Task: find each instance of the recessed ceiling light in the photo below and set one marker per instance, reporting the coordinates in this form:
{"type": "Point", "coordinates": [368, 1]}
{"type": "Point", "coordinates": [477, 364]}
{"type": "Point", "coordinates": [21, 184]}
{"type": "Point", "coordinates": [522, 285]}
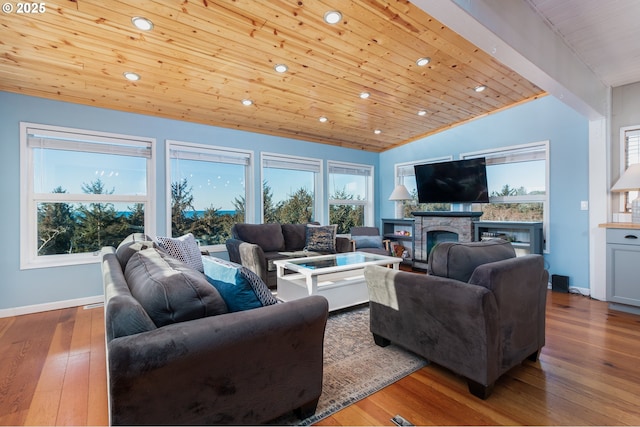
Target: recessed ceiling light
{"type": "Point", "coordinates": [247, 102]}
{"type": "Point", "coordinates": [479, 88]}
{"type": "Point", "coordinates": [422, 113]}
{"type": "Point", "coordinates": [133, 77]}
{"type": "Point", "coordinates": [323, 119]}
{"type": "Point", "coordinates": [377, 131]}
{"type": "Point", "coordinates": [365, 95]}
{"type": "Point", "coordinates": [421, 62]}
{"type": "Point", "coordinates": [332, 17]}
{"type": "Point", "coordinates": [280, 68]}
{"type": "Point", "coordinates": [142, 23]}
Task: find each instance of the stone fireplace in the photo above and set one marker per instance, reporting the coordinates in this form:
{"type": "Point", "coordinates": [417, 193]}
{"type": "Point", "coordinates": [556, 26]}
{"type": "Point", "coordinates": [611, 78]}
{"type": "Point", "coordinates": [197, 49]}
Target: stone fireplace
{"type": "Point", "coordinates": [435, 227]}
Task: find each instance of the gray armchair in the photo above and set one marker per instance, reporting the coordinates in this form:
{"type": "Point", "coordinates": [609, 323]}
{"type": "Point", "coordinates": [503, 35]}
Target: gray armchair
{"type": "Point", "coordinates": [368, 239]}
{"type": "Point", "coordinates": [256, 246]}
{"type": "Point", "coordinates": [479, 312]}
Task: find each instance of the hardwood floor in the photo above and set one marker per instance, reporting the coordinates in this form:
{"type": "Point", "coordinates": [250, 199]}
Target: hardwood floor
{"type": "Point", "coordinates": [52, 368]}
{"type": "Point", "coordinates": [52, 372]}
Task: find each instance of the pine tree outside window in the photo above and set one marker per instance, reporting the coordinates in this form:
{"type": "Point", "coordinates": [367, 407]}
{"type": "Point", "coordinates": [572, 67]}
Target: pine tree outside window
{"type": "Point", "coordinates": [350, 195]}
{"type": "Point", "coordinates": [208, 191]}
{"type": "Point", "coordinates": [84, 190]}
{"type": "Point", "coordinates": [518, 178]}
{"type": "Point", "coordinates": [291, 189]}
{"type": "Point", "coordinates": [405, 174]}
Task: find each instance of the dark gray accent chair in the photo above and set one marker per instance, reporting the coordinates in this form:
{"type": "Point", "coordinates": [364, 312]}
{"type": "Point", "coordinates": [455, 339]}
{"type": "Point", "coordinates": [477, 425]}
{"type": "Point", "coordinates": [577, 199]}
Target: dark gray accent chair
{"type": "Point", "coordinates": [256, 246]}
{"type": "Point", "coordinates": [196, 363]}
{"type": "Point", "coordinates": [356, 232]}
{"type": "Point", "coordinates": [479, 312]}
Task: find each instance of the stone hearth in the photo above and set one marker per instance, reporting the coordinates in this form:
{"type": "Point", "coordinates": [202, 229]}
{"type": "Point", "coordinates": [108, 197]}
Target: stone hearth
{"type": "Point", "coordinates": [433, 227]}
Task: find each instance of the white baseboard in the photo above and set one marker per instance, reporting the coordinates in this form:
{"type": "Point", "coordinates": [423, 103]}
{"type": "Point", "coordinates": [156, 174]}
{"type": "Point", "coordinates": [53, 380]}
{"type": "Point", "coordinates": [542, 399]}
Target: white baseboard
{"type": "Point", "coordinates": [575, 290]}
{"type": "Point", "coordinates": [37, 308]}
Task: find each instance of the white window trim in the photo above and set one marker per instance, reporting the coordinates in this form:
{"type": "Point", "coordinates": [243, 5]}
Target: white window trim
{"type": "Point", "coordinates": [622, 207]}
{"type": "Point", "coordinates": [525, 199]}
{"type": "Point", "coordinates": [309, 162]}
{"type": "Point", "coordinates": [368, 203]}
{"type": "Point", "coordinates": [249, 207]}
{"type": "Point", "coordinates": [28, 217]}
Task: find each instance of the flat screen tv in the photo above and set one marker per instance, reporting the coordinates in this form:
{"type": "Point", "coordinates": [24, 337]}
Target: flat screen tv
{"type": "Point", "coordinates": [458, 181]}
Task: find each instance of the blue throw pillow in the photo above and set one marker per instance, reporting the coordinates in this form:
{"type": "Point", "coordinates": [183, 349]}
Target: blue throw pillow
{"type": "Point", "coordinates": [368, 242]}
{"type": "Point", "coordinates": [240, 288]}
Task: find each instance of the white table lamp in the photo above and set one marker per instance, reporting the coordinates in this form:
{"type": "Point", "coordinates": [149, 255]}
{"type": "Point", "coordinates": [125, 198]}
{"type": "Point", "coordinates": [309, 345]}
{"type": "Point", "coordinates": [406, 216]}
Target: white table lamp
{"type": "Point", "coordinates": [400, 193]}
{"type": "Point", "coordinates": [630, 181]}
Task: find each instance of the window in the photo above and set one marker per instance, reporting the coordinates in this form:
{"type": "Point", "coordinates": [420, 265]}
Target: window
{"type": "Point", "coordinates": [84, 190]}
{"type": "Point", "coordinates": [405, 174]}
{"type": "Point", "coordinates": [517, 178]}
{"type": "Point", "coordinates": [350, 195]}
{"type": "Point", "coordinates": [208, 191]}
{"type": "Point", "coordinates": [291, 189]}
{"type": "Point", "coordinates": [630, 154]}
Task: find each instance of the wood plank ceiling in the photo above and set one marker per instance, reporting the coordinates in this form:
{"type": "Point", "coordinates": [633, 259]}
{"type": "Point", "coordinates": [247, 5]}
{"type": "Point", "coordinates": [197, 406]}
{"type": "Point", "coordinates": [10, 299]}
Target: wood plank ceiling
{"type": "Point", "coordinates": [202, 58]}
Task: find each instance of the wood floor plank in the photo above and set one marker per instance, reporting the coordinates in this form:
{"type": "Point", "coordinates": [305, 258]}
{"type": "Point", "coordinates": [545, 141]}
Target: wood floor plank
{"type": "Point", "coordinates": [97, 413]}
{"type": "Point", "coordinates": [53, 371]}
{"type": "Point", "coordinates": [74, 401]}
{"type": "Point", "coordinates": [45, 402]}
{"type": "Point", "coordinates": [5, 324]}
{"type": "Point", "coordinates": [22, 357]}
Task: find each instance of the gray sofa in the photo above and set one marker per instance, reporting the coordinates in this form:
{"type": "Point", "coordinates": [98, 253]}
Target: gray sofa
{"type": "Point", "coordinates": [479, 312]}
{"type": "Point", "coordinates": [175, 355]}
{"type": "Point", "coordinates": [256, 246]}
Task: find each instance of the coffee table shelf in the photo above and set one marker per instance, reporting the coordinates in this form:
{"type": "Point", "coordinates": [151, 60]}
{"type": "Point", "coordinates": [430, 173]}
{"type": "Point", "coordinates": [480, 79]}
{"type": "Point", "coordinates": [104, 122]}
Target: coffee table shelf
{"type": "Point", "coordinates": [337, 277]}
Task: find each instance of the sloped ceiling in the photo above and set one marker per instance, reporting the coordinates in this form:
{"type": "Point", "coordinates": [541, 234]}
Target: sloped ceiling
{"type": "Point", "coordinates": [202, 58]}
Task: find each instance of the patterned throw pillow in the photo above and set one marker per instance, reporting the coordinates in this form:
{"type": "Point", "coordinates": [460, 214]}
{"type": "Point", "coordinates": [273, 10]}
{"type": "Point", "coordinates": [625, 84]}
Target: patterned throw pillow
{"type": "Point", "coordinates": [240, 287]}
{"type": "Point", "coordinates": [321, 238]}
{"type": "Point", "coordinates": [185, 248]}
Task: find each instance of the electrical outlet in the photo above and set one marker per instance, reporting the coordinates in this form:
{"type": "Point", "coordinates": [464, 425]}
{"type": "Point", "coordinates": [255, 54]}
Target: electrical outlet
{"type": "Point", "coordinates": [584, 205]}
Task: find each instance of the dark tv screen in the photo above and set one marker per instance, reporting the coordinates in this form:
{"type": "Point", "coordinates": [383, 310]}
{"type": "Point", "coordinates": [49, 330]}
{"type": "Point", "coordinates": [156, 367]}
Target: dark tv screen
{"type": "Point", "coordinates": [458, 181]}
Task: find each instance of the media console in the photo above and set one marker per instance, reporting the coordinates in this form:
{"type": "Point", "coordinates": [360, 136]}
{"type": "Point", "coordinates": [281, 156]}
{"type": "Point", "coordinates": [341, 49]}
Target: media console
{"type": "Point", "coordinates": [526, 237]}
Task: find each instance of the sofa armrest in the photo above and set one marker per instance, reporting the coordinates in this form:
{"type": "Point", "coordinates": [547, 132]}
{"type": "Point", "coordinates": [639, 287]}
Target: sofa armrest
{"type": "Point", "coordinates": [239, 368]}
{"type": "Point", "coordinates": [249, 255]}
{"type": "Point", "coordinates": [519, 286]}
{"type": "Point", "coordinates": [344, 244]}
{"type": "Point", "coordinates": [449, 322]}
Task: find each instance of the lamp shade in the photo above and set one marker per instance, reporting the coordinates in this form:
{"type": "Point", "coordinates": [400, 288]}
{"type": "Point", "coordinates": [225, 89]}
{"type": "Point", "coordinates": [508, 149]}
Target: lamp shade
{"type": "Point", "coordinates": [400, 193]}
{"type": "Point", "coordinates": [630, 179]}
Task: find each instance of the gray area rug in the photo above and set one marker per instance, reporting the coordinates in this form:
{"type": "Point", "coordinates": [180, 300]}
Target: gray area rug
{"type": "Point", "coordinates": [354, 366]}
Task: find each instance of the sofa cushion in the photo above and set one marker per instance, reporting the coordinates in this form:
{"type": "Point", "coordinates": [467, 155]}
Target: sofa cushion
{"type": "Point", "coordinates": [268, 236]}
{"type": "Point", "coordinates": [295, 236]}
{"type": "Point", "coordinates": [123, 313]}
{"type": "Point", "coordinates": [457, 260]}
{"type": "Point", "coordinates": [185, 248]}
{"type": "Point", "coordinates": [321, 238]}
{"type": "Point", "coordinates": [363, 242]}
{"type": "Point", "coordinates": [241, 288]}
{"type": "Point", "coordinates": [274, 256]}
{"type": "Point", "coordinates": [169, 290]}
{"type": "Point", "coordinates": [130, 245]}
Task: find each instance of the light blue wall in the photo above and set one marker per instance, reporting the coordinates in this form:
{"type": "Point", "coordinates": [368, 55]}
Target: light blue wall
{"type": "Point", "coordinates": [544, 119]}
{"type": "Point", "coordinates": [39, 286]}
{"type": "Point", "coordinates": [540, 120]}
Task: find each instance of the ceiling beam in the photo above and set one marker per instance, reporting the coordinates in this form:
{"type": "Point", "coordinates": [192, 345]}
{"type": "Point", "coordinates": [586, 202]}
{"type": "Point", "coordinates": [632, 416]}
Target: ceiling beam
{"type": "Point", "coordinates": [513, 33]}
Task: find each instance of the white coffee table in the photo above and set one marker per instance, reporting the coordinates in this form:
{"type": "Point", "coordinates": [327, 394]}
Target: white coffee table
{"type": "Point", "coordinates": [337, 277]}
